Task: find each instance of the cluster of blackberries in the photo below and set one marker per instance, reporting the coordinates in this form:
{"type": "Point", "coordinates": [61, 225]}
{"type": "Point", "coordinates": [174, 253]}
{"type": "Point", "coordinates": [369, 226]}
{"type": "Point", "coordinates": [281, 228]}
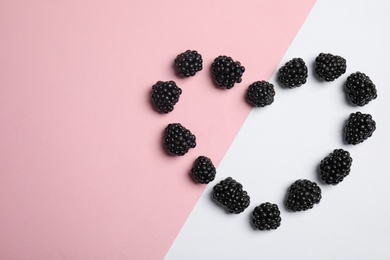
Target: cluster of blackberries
{"type": "Point", "coordinates": [230, 194]}
{"type": "Point", "coordinates": [225, 73]}
{"type": "Point", "coordinates": [327, 66]}
{"type": "Point", "coordinates": [303, 194]}
{"type": "Point", "coordinates": [165, 94]}
{"type": "Point", "coordinates": [359, 88]}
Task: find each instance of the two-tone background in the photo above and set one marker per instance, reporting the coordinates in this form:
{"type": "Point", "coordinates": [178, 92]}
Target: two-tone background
{"type": "Point", "coordinates": [82, 171]}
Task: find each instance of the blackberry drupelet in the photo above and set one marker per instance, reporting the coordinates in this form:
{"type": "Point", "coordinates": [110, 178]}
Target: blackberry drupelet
{"type": "Point", "coordinates": [329, 67]}
{"type": "Point", "coordinates": [335, 167]}
{"type": "Point", "coordinates": [226, 72]}
{"type": "Point", "coordinates": [260, 94]}
{"type": "Point", "coordinates": [230, 195]}
{"type": "Point", "coordinates": [203, 170]}
{"type": "Point", "coordinates": [266, 216]}
{"type": "Point", "coordinates": [165, 95]}
{"type": "Point", "coordinates": [293, 74]}
{"type": "Point", "coordinates": [360, 89]}
{"type": "Point", "coordinates": [188, 63]}
{"type": "Point", "coordinates": [302, 195]}
{"type": "Point", "coordinates": [178, 139]}
{"type": "Point", "coordinates": [358, 128]}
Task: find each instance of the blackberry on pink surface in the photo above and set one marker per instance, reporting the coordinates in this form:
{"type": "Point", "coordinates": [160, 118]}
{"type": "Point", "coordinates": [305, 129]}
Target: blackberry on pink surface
{"type": "Point", "coordinates": [188, 63]}
{"type": "Point", "coordinates": [178, 139]}
{"type": "Point", "coordinates": [165, 95]}
{"type": "Point", "coordinates": [203, 170]}
{"type": "Point", "coordinates": [226, 72]}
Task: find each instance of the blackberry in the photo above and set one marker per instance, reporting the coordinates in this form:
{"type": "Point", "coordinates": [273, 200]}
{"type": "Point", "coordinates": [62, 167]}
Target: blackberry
{"type": "Point", "coordinates": [226, 72]}
{"type": "Point", "coordinates": [302, 195]}
{"type": "Point", "coordinates": [203, 170]}
{"type": "Point", "coordinates": [260, 94]}
{"type": "Point", "coordinates": [360, 89]}
{"type": "Point", "coordinates": [336, 166]}
{"type": "Point", "coordinates": [293, 74]}
{"type": "Point", "coordinates": [188, 63]}
{"type": "Point", "coordinates": [178, 139]}
{"type": "Point", "coordinates": [165, 94]}
{"type": "Point", "coordinates": [329, 67]}
{"type": "Point", "coordinates": [266, 216]}
{"type": "Point", "coordinates": [358, 128]}
{"type": "Point", "coordinates": [230, 195]}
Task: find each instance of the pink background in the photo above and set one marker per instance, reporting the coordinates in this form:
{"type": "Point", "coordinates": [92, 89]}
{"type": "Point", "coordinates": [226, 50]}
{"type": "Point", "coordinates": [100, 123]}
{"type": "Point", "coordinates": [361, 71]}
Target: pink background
{"type": "Point", "coordinates": [82, 171]}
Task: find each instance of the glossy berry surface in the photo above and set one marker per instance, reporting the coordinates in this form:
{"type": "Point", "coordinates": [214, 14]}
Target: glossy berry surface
{"type": "Point", "coordinates": [360, 89]}
{"type": "Point", "coordinates": [329, 67]}
{"type": "Point", "coordinates": [226, 72]}
{"type": "Point", "coordinates": [260, 94]}
{"type": "Point", "coordinates": [178, 139]}
{"type": "Point", "coordinates": [335, 167]}
{"type": "Point", "coordinates": [231, 196]}
{"type": "Point", "coordinates": [302, 195]}
{"type": "Point", "coordinates": [203, 170]}
{"type": "Point", "coordinates": [359, 127]}
{"type": "Point", "coordinates": [293, 74]}
{"type": "Point", "coordinates": [165, 95]}
{"type": "Point", "coordinates": [266, 216]}
{"type": "Point", "coordinates": [188, 63]}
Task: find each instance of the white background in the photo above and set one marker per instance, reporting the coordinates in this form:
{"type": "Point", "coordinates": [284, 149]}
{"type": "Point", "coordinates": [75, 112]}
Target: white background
{"type": "Point", "coordinates": [286, 141]}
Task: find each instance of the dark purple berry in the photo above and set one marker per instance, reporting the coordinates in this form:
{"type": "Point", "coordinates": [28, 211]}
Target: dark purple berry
{"type": "Point", "coordinates": [226, 72]}
{"type": "Point", "coordinates": [178, 139]}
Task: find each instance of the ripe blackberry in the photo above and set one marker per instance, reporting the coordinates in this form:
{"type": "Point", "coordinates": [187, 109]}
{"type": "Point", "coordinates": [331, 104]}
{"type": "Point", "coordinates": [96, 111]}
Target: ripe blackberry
{"type": "Point", "coordinates": [165, 94]}
{"type": "Point", "coordinates": [226, 72]}
{"type": "Point", "coordinates": [302, 195]}
{"type": "Point", "coordinates": [360, 89]}
{"type": "Point", "coordinates": [260, 94]}
{"type": "Point", "coordinates": [188, 63]}
{"type": "Point", "coordinates": [266, 216]}
{"type": "Point", "coordinates": [178, 139]}
{"type": "Point", "coordinates": [293, 74]}
{"type": "Point", "coordinates": [336, 166]}
{"type": "Point", "coordinates": [358, 128]}
{"type": "Point", "coordinates": [203, 170]}
{"type": "Point", "coordinates": [329, 67]}
{"type": "Point", "coordinates": [230, 195]}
